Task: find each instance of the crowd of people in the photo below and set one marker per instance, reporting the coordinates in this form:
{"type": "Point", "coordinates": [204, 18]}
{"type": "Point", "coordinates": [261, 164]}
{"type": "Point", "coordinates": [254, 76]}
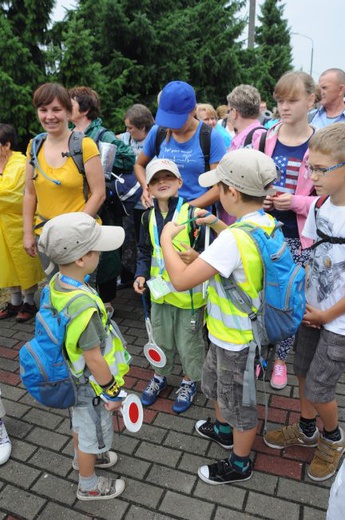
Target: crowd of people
{"type": "Point", "coordinates": [178, 244]}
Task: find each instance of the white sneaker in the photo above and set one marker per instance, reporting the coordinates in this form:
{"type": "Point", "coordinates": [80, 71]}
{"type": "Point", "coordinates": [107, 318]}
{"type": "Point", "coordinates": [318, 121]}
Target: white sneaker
{"type": "Point", "coordinates": [5, 444]}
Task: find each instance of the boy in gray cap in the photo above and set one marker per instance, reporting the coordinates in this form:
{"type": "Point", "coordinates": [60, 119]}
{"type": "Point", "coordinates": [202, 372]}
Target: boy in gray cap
{"type": "Point", "coordinates": [94, 350]}
{"type": "Point", "coordinates": [243, 177]}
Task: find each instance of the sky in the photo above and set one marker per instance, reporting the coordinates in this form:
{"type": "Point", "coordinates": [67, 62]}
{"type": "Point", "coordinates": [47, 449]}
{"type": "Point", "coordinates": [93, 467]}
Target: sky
{"type": "Point", "coordinates": [320, 28]}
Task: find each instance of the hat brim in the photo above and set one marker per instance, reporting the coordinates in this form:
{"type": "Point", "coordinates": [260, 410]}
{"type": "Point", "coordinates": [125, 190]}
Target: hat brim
{"type": "Point", "coordinates": [170, 120]}
{"type": "Point", "coordinates": [208, 179]}
{"type": "Point", "coordinates": [109, 239]}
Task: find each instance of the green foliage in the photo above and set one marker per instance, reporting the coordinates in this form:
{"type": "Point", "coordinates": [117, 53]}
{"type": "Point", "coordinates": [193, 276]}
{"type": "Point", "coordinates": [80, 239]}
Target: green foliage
{"type": "Point", "coordinates": [273, 48]}
{"type": "Point", "coordinates": [127, 50]}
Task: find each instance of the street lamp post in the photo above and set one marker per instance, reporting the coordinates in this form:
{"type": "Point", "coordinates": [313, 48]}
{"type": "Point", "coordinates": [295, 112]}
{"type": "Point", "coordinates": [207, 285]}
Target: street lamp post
{"type": "Point", "coordinates": [312, 49]}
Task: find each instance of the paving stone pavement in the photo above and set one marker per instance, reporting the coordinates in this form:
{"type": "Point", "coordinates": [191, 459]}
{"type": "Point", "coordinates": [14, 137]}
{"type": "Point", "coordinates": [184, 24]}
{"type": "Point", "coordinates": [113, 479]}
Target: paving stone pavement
{"type": "Point", "coordinates": [159, 463]}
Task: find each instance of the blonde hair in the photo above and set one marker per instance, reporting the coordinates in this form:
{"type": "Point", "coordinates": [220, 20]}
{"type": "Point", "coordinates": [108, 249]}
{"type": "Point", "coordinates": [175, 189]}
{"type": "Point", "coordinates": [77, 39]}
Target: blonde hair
{"type": "Point", "coordinates": [222, 111]}
{"type": "Point", "coordinates": [291, 83]}
{"type": "Point", "coordinates": [205, 107]}
{"type": "Point", "coordinates": [330, 141]}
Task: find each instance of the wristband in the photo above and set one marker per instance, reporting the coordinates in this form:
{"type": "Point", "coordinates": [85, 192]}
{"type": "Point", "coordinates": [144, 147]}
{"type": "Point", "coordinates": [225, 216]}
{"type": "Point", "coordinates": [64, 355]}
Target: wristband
{"type": "Point", "coordinates": [112, 390]}
{"type": "Point", "coordinates": [108, 384]}
{"type": "Point", "coordinates": [106, 398]}
{"type": "Point", "coordinates": [214, 221]}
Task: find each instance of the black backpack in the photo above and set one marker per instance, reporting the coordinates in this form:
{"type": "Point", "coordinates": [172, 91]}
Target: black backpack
{"type": "Point", "coordinates": [205, 142]}
{"type": "Point", "coordinates": [249, 138]}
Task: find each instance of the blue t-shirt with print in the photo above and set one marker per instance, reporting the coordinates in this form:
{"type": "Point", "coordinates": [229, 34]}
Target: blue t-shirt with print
{"type": "Point", "coordinates": [188, 156]}
{"type": "Point", "coordinates": [289, 160]}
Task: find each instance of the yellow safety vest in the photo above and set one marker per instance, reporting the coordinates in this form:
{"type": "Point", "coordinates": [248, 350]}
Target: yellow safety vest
{"type": "Point", "coordinates": [224, 320]}
{"type": "Point", "coordinates": [180, 299]}
{"type": "Point", "coordinates": [114, 352]}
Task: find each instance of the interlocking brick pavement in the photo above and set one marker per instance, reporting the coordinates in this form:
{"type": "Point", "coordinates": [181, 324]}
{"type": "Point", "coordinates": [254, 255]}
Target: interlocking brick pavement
{"type": "Point", "coordinates": [159, 463]}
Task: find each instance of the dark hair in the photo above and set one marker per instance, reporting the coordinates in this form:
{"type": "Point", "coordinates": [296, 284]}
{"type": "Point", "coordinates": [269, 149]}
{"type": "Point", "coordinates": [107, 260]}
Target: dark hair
{"type": "Point", "coordinates": [140, 116]}
{"type": "Point", "coordinates": [47, 92]}
{"type": "Point", "coordinates": [8, 135]}
{"type": "Point", "coordinates": [88, 101]}
{"type": "Point", "coordinates": [244, 196]}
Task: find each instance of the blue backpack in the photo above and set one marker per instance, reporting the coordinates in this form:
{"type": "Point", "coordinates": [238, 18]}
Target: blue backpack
{"type": "Point", "coordinates": [282, 298]}
{"type": "Point", "coordinates": [44, 370]}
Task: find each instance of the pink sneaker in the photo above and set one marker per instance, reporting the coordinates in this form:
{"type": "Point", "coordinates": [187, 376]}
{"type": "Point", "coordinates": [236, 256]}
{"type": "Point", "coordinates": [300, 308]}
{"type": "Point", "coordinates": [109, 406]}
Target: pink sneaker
{"type": "Point", "coordinates": [279, 376]}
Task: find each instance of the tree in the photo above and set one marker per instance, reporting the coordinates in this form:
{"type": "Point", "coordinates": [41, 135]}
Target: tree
{"type": "Point", "coordinates": [273, 48]}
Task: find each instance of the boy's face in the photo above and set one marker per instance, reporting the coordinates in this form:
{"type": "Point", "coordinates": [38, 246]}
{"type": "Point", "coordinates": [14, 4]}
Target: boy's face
{"type": "Point", "coordinates": [329, 183]}
{"type": "Point", "coordinates": [91, 261]}
{"type": "Point", "coordinates": [164, 185]}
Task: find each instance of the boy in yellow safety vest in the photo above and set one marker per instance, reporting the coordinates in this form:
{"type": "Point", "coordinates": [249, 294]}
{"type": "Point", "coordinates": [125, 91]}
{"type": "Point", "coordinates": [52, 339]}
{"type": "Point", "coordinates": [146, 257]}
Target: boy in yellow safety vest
{"type": "Point", "coordinates": [243, 177]}
{"type": "Point", "coordinates": [177, 317]}
{"type": "Point", "coordinates": [95, 352]}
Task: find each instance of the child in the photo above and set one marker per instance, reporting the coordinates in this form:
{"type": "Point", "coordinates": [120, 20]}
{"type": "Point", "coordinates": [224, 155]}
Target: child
{"type": "Point", "coordinates": [96, 355]}
{"type": "Point", "coordinates": [320, 342]}
{"type": "Point", "coordinates": [177, 318]}
{"type": "Point", "coordinates": [287, 144]}
{"type": "Point", "coordinates": [244, 177]}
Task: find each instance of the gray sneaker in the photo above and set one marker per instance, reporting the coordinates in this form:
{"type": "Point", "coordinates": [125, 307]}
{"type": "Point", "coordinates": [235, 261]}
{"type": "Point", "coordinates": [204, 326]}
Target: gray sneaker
{"type": "Point", "coordinates": [103, 460]}
{"type": "Point", "coordinates": [106, 488]}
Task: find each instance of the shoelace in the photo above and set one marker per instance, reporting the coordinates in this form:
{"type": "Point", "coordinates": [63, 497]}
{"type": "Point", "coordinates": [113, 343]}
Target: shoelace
{"type": "Point", "coordinates": [183, 393]}
{"type": "Point", "coordinates": [278, 370]}
{"type": "Point", "coordinates": [152, 387]}
{"type": "Point", "coordinates": [3, 436]}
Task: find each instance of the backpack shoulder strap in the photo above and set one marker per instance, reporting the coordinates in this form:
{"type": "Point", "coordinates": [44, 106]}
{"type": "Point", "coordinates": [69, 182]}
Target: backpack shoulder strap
{"type": "Point", "coordinates": [249, 137]}
{"type": "Point", "coordinates": [160, 136]}
{"type": "Point", "coordinates": [320, 201]}
{"type": "Point", "coordinates": [262, 142]}
{"type": "Point", "coordinates": [98, 137]}
{"type": "Point", "coordinates": [36, 145]}
{"type": "Point", "coordinates": [75, 150]}
{"type": "Point", "coordinates": [205, 144]}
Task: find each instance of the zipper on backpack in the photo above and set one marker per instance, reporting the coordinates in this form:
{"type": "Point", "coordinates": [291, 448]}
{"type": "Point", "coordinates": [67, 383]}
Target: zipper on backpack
{"type": "Point", "coordinates": [37, 359]}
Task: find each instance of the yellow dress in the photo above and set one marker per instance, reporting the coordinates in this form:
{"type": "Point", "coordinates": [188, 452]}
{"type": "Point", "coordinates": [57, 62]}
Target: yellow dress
{"type": "Point", "coordinates": [17, 268]}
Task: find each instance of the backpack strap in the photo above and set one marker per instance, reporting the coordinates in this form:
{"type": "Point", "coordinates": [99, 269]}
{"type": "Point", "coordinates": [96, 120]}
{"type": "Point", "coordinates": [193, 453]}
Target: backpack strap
{"type": "Point", "coordinates": [262, 142]}
{"type": "Point", "coordinates": [204, 139]}
{"type": "Point", "coordinates": [324, 238]}
{"type": "Point", "coordinates": [100, 134]}
{"type": "Point", "coordinates": [249, 138]}
{"type": "Point", "coordinates": [205, 144]}
{"type": "Point", "coordinates": [160, 136]}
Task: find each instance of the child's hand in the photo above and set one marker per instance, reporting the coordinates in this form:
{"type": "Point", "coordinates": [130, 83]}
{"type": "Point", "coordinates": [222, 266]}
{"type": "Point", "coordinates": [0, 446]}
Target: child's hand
{"type": "Point", "coordinates": [282, 201]}
{"type": "Point", "coordinates": [139, 285]}
{"type": "Point", "coordinates": [111, 406]}
{"type": "Point", "coordinates": [146, 198]}
{"type": "Point", "coordinates": [171, 230]}
{"type": "Point", "coordinates": [205, 217]}
{"type": "Point", "coordinates": [268, 203]}
{"type": "Point", "coordinates": [189, 255]}
{"type": "Point", "coordinates": [314, 317]}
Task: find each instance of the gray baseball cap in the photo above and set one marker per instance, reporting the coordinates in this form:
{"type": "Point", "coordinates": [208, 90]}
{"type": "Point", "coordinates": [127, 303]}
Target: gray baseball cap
{"type": "Point", "coordinates": [248, 171]}
{"type": "Point", "coordinates": [70, 236]}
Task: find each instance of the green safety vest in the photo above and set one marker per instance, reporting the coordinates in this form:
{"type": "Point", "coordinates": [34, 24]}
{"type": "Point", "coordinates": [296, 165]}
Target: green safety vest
{"type": "Point", "coordinates": [180, 299]}
{"type": "Point", "coordinates": [224, 320]}
{"type": "Point", "coordinates": [113, 352]}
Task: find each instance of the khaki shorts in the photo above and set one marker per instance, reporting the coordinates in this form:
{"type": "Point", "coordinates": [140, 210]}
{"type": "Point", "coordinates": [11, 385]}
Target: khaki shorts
{"type": "Point", "coordinates": [320, 359]}
{"type": "Point", "coordinates": [85, 427]}
{"type": "Point", "coordinates": [222, 380]}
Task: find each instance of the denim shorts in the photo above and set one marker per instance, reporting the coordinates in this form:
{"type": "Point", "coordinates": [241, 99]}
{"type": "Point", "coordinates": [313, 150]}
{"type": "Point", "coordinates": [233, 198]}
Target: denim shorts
{"type": "Point", "coordinates": [320, 359]}
{"type": "Point", "coordinates": [222, 380]}
{"type": "Point", "coordinates": [84, 425]}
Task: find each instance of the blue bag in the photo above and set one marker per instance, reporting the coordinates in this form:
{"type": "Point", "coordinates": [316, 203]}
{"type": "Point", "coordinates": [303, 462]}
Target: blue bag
{"type": "Point", "coordinates": [283, 300]}
{"type": "Point", "coordinates": [44, 370]}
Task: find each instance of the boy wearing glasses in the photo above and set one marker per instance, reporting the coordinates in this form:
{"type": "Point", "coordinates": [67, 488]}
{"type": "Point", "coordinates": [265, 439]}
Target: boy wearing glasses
{"type": "Point", "coordinates": [320, 342]}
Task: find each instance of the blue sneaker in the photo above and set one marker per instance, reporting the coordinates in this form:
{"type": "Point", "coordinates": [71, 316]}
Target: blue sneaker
{"type": "Point", "coordinates": [152, 391]}
{"type": "Point", "coordinates": [185, 396]}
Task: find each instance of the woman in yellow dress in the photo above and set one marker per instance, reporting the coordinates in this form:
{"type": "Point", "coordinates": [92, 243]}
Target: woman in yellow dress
{"type": "Point", "coordinates": [19, 272]}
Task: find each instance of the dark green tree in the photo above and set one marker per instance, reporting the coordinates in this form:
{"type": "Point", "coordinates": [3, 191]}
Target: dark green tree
{"type": "Point", "coordinates": [273, 48]}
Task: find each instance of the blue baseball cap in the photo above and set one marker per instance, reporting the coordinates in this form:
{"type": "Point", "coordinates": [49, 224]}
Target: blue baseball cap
{"type": "Point", "coordinates": [176, 102]}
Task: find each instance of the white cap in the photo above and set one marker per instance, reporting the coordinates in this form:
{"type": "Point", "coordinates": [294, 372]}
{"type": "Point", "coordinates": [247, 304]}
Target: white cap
{"type": "Point", "coordinates": [158, 165]}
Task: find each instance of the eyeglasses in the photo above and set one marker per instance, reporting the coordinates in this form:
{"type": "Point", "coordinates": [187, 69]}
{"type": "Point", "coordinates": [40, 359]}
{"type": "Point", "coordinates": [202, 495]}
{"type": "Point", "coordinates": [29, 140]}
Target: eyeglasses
{"type": "Point", "coordinates": [320, 172]}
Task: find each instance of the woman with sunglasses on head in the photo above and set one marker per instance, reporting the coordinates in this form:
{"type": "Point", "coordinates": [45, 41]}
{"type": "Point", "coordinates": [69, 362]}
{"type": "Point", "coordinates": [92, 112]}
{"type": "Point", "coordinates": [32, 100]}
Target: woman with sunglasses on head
{"type": "Point", "coordinates": [287, 144]}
